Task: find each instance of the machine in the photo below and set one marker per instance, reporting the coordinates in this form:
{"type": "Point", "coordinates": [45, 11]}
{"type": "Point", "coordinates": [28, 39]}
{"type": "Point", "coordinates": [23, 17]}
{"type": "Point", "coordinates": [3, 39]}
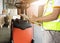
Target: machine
{"type": "Point", "coordinates": [22, 31]}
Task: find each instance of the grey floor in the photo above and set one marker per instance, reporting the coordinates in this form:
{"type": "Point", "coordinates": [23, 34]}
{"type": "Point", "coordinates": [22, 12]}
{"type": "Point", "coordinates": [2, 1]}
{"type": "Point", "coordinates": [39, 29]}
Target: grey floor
{"type": "Point", "coordinates": [5, 35]}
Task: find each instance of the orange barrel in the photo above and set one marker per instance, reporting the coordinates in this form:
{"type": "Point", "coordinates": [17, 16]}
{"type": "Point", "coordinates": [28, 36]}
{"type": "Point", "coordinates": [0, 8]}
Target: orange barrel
{"type": "Point", "coordinates": [22, 36]}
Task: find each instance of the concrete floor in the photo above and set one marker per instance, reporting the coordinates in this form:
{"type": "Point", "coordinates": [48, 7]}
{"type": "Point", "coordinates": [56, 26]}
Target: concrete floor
{"type": "Point", "coordinates": [5, 35]}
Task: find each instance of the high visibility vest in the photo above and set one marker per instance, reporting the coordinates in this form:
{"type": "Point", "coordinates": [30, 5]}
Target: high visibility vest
{"type": "Point", "coordinates": [52, 25]}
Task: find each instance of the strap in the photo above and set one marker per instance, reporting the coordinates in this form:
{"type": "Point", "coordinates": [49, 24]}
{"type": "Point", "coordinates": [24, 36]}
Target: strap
{"type": "Point", "coordinates": [46, 7]}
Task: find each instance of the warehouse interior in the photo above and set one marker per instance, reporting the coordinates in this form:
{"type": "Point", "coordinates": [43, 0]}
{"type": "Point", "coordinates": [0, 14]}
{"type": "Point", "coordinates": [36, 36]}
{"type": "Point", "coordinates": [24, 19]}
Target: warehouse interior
{"type": "Point", "coordinates": [11, 10]}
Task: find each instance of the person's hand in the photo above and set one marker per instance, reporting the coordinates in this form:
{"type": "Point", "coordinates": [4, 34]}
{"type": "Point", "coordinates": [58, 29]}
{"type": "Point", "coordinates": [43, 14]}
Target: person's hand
{"type": "Point", "coordinates": [33, 19]}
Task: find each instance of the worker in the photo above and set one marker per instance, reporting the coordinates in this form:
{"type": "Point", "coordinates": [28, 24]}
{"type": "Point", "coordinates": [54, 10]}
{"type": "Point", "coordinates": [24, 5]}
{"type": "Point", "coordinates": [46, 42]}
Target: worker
{"type": "Point", "coordinates": [51, 22]}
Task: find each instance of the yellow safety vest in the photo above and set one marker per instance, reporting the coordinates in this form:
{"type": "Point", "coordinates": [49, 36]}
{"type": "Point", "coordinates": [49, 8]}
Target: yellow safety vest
{"type": "Point", "coordinates": [52, 25]}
